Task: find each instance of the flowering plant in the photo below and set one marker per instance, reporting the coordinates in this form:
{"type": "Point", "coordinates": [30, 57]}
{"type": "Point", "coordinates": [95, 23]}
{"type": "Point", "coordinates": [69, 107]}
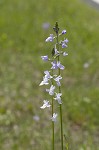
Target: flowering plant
{"type": "Point", "coordinates": [53, 80]}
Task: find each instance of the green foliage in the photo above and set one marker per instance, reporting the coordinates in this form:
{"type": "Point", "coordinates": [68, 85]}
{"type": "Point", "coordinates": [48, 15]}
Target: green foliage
{"type": "Point", "coordinates": [21, 45]}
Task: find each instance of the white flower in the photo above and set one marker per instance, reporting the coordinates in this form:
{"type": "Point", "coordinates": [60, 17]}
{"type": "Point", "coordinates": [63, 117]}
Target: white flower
{"type": "Point", "coordinates": [54, 117]}
{"type": "Point", "coordinates": [64, 32]}
{"type": "Point", "coordinates": [46, 104]}
{"type": "Point", "coordinates": [57, 80]}
{"type": "Point", "coordinates": [44, 82]}
{"type": "Point", "coordinates": [45, 58]}
{"type": "Point", "coordinates": [58, 97]}
{"type": "Point", "coordinates": [46, 78]}
{"type": "Point", "coordinates": [60, 65]}
{"type": "Point", "coordinates": [50, 38]}
{"type": "Point", "coordinates": [56, 65]}
{"type": "Point", "coordinates": [66, 41]}
{"type": "Point", "coordinates": [64, 45]}
{"type": "Point", "coordinates": [47, 74]}
{"type": "Point", "coordinates": [51, 90]}
{"type": "Point", "coordinates": [65, 54]}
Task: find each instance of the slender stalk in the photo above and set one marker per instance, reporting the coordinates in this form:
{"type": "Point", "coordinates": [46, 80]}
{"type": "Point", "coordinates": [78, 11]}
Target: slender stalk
{"type": "Point", "coordinates": [61, 120]}
{"type": "Point", "coordinates": [52, 128]}
{"type": "Point", "coordinates": [53, 138]}
{"type": "Point", "coordinates": [61, 126]}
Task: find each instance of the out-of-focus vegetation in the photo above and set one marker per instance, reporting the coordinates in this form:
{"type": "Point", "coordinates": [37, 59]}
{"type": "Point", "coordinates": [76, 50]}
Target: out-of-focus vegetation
{"type": "Point", "coordinates": [23, 126]}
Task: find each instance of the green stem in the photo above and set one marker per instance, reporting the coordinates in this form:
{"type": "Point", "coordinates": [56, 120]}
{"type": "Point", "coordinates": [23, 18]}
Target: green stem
{"type": "Point", "coordinates": [52, 128]}
{"type": "Point", "coordinates": [61, 126]}
{"type": "Point", "coordinates": [61, 120]}
{"type": "Point", "coordinates": [52, 121]}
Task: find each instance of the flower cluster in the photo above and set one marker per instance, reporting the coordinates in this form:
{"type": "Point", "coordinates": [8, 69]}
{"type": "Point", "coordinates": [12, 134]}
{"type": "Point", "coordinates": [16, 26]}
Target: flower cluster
{"type": "Point", "coordinates": [50, 79]}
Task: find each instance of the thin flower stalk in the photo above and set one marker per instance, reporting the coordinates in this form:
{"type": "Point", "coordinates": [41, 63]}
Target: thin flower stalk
{"type": "Point", "coordinates": [59, 73]}
{"type": "Point", "coordinates": [53, 137]}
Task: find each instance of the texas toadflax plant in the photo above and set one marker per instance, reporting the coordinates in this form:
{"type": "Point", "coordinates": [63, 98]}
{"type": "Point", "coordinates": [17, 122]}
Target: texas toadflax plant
{"type": "Point", "coordinates": [52, 79]}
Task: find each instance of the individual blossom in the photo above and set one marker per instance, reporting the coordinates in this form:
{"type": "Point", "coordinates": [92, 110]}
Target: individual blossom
{"type": "Point", "coordinates": [46, 104]}
{"type": "Point", "coordinates": [65, 54]}
{"type": "Point", "coordinates": [47, 74]}
{"type": "Point", "coordinates": [45, 58]}
{"type": "Point", "coordinates": [60, 65]}
{"type": "Point", "coordinates": [58, 97]}
{"type": "Point", "coordinates": [66, 41]}
{"type": "Point", "coordinates": [56, 65]}
{"type": "Point", "coordinates": [54, 117]}
{"type": "Point", "coordinates": [57, 79]}
{"type": "Point", "coordinates": [44, 82]}
{"type": "Point", "coordinates": [64, 32]}
{"type": "Point", "coordinates": [46, 78]}
{"type": "Point", "coordinates": [51, 90]}
{"type": "Point", "coordinates": [64, 45]}
{"type": "Point", "coordinates": [50, 38]}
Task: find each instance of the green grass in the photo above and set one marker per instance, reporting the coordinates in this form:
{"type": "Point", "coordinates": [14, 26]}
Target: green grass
{"type": "Point", "coordinates": [21, 45]}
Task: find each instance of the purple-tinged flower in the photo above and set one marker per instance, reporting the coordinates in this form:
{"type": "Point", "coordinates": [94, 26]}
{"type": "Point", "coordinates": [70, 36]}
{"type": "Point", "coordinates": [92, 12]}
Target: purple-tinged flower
{"type": "Point", "coordinates": [60, 65]}
{"type": "Point", "coordinates": [45, 58]}
{"type": "Point", "coordinates": [64, 45]}
{"type": "Point", "coordinates": [46, 78]}
{"type": "Point", "coordinates": [51, 90]}
{"type": "Point", "coordinates": [46, 104]}
{"type": "Point", "coordinates": [44, 82]}
{"type": "Point", "coordinates": [65, 54]}
{"type": "Point", "coordinates": [66, 41]}
{"type": "Point", "coordinates": [54, 117]}
{"type": "Point", "coordinates": [58, 97]}
{"type": "Point", "coordinates": [64, 32]}
{"type": "Point", "coordinates": [57, 79]}
{"type": "Point", "coordinates": [50, 38]}
{"type": "Point", "coordinates": [54, 65]}
{"type": "Point", "coordinates": [47, 74]}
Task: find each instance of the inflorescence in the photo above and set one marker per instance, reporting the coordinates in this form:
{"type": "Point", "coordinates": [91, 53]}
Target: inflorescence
{"type": "Point", "coordinates": [47, 79]}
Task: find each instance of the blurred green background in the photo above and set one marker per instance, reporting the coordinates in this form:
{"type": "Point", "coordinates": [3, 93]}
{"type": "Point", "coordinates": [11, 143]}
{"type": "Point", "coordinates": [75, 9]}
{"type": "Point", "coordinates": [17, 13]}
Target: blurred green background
{"type": "Point", "coordinates": [24, 26]}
